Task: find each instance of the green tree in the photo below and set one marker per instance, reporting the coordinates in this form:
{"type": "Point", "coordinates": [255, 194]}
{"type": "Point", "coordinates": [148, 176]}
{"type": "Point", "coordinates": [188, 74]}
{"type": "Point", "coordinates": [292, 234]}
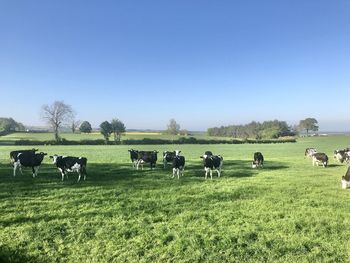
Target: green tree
{"type": "Point", "coordinates": [173, 127]}
{"type": "Point", "coordinates": [85, 127]}
{"type": "Point", "coordinates": [309, 124]}
{"type": "Point", "coordinates": [106, 130]}
{"type": "Point", "coordinates": [118, 129]}
{"type": "Point", "coordinates": [10, 125]}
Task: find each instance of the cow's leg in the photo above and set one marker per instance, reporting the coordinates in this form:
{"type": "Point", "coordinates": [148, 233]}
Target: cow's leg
{"type": "Point", "coordinates": [79, 176]}
{"type": "Point", "coordinates": [174, 171]}
{"type": "Point", "coordinates": [219, 172]}
{"type": "Point", "coordinates": [164, 164]}
{"type": "Point", "coordinates": [15, 166]}
{"type": "Point", "coordinates": [62, 173]}
{"type": "Point", "coordinates": [36, 169]}
{"type": "Point", "coordinates": [33, 170]}
{"type": "Point", "coordinates": [211, 174]}
{"type": "Point", "coordinates": [137, 165]}
{"type": "Point", "coordinates": [206, 172]}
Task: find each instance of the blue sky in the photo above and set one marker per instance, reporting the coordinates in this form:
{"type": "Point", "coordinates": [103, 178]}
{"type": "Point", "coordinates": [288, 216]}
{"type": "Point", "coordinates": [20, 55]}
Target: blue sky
{"type": "Point", "coordinates": [204, 63]}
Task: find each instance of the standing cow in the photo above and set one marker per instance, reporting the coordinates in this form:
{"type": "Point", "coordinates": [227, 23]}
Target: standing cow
{"type": "Point", "coordinates": [146, 157]}
{"type": "Point", "coordinates": [168, 157]}
{"type": "Point", "coordinates": [70, 164]}
{"type": "Point", "coordinates": [342, 155]}
{"type": "Point", "coordinates": [345, 180]}
{"type": "Point", "coordinates": [28, 159]}
{"type": "Point", "coordinates": [178, 164]}
{"type": "Point", "coordinates": [212, 162]}
{"type": "Point", "coordinates": [14, 154]}
{"type": "Point", "coordinates": [258, 160]}
{"type": "Point", "coordinates": [318, 158]}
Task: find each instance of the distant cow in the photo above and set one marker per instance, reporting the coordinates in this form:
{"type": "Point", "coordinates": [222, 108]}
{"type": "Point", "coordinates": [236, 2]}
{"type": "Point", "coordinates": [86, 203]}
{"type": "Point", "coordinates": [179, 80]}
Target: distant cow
{"type": "Point", "coordinates": [258, 160]}
{"type": "Point", "coordinates": [134, 157]}
{"type": "Point", "coordinates": [168, 157]}
{"type": "Point", "coordinates": [212, 162]}
{"type": "Point", "coordinates": [70, 164]}
{"type": "Point", "coordinates": [345, 180]}
{"type": "Point", "coordinates": [342, 155]}
{"type": "Point", "coordinates": [28, 159]}
{"type": "Point", "coordinates": [178, 164]}
{"type": "Point", "coordinates": [309, 152]}
{"type": "Point", "coordinates": [14, 154]}
{"type": "Point", "coordinates": [146, 157]}
{"type": "Point", "coordinates": [320, 158]}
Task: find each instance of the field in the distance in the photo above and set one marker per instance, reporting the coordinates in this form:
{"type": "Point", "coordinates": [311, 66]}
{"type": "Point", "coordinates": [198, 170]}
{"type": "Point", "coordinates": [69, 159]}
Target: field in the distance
{"type": "Point", "coordinates": [11, 138]}
{"type": "Point", "coordinates": [288, 211]}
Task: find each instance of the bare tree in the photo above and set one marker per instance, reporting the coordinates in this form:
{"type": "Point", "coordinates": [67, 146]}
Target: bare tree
{"type": "Point", "coordinates": [173, 127]}
{"type": "Point", "coordinates": [56, 115]}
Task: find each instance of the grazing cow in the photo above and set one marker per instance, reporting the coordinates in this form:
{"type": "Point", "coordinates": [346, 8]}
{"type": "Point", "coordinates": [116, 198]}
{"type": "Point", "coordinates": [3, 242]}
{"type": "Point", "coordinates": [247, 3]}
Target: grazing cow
{"type": "Point", "coordinates": [178, 165]}
{"type": "Point", "coordinates": [133, 157]}
{"type": "Point", "coordinates": [258, 160]}
{"type": "Point", "coordinates": [342, 155]}
{"type": "Point", "coordinates": [345, 180]}
{"type": "Point", "coordinates": [168, 157]}
{"type": "Point", "coordinates": [70, 164]}
{"type": "Point", "coordinates": [212, 162]}
{"type": "Point", "coordinates": [320, 158]}
{"type": "Point", "coordinates": [28, 159]}
{"type": "Point", "coordinates": [146, 157]}
{"type": "Point", "coordinates": [309, 152]}
{"type": "Point", "coordinates": [14, 154]}
{"type": "Point", "coordinates": [208, 153]}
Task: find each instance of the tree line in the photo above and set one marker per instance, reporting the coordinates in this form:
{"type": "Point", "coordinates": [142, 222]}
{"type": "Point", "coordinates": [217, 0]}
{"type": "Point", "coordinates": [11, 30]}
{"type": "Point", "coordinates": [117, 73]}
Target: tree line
{"type": "Point", "coordinates": [265, 130]}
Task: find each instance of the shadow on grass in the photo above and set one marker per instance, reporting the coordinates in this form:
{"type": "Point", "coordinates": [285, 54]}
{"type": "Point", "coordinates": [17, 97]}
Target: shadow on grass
{"type": "Point", "coordinates": [111, 175]}
{"type": "Point", "coordinates": [334, 165]}
{"type": "Point", "coordinates": [8, 255]}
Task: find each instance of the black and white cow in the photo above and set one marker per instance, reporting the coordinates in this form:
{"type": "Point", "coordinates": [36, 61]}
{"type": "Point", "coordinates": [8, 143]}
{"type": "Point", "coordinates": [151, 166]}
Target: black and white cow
{"type": "Point", "coordinates": [342, 155]}
{"type": "Point", "coordinates": [168, 157]}
{"type": "Point", "coordinates": [258, 160]}
{"type": "Point", "coordinates": [320, 158]}
{"type": "Point", "coordinates": [345, 180]}
{"type": "Point", "coordinates": [212, 162]}
{"type": "Point", "coordinates": [14, 154]}
{"type": "Point", "coordinates": [146, 157]}
{"type": "Point", "coordinates": [28, 159]}
{"type": "Point", "coordinates": [70, 164]}
{"type": "Point", "coordinates": [309, 152]}
{"type": "Point", "coordinates": [178, 164]}
{"type": "Point", "coordinates": [134, 157]}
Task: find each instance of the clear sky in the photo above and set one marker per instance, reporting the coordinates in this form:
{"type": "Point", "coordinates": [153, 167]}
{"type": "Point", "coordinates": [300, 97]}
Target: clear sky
{"type": "Point", "coordinates": [204, 63]}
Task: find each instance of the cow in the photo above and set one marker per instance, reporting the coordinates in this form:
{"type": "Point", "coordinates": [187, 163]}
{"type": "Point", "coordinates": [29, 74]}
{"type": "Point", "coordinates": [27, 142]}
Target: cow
{"type": "Point", "coordinates": [133, 157]}
{"type": "Point", "coordinates": [342, 155]}
{"type": "Point", "coordinates": [168, 157]}
{"type": "Point", "coordinates": [14, 154]}
{"type": "Point", "coordinates": [70, 164]}
{"type": "Point", "coordinates": [212, 162]}
{"type": "Point", "coordinates": [258, 160]}
{"type": "Point", "coordinates": [320, 158]}
{"type": "Point", "coordinates": [28, 159]}
{"type": "Point", "coordinates": [178, 164]}
{"type": "Point", "coordinates": [146, 157]}
{"type": "Point", "coordinates": [309, 152]}
{"type": "Point", "coordinates": [345, 180]}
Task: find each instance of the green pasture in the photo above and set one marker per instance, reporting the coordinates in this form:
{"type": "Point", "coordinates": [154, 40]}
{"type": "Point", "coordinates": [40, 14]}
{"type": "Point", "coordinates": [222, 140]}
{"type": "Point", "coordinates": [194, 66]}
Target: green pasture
{"type": "Point", "coordinates": [11, 138]}
{"type": "Point", "coordinates": [289, 211]}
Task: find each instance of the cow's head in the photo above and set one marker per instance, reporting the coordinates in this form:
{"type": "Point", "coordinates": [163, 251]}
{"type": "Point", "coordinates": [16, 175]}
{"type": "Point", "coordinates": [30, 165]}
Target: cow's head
{"type": "Point", "coordinates": [177, 152]}
{"type": "Point", "coordinates": [54, 158]}
{"type": "Point", "coordinates": [254, 165]}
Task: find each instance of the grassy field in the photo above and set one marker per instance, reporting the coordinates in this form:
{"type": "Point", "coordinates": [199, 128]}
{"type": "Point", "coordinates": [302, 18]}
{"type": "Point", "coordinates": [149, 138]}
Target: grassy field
{"type": "Point", "coordinates": [95, 136]}
{"type": "Point", "coordinates": [289, 211]}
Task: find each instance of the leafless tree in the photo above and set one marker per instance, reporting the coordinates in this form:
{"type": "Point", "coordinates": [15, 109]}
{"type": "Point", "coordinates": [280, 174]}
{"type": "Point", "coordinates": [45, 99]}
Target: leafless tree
{"type": "Point", "coordinates": [56, 115]}
{"type": "Point", "coordinates": [75, 125]}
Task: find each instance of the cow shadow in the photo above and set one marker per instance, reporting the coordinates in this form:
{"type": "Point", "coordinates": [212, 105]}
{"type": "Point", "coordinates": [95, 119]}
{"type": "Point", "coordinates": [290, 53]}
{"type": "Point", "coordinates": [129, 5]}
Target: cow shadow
{"type": "Point", "coordinates": [333, 165]}
{"type": "Point", "coordinates": [8, 255]}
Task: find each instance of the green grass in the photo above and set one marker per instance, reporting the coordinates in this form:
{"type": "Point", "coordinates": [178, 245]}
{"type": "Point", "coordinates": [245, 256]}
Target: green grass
{"type": "Point", "coordinates": [289, 211]}
{"type": "Point", "coordinates": [11, 138]}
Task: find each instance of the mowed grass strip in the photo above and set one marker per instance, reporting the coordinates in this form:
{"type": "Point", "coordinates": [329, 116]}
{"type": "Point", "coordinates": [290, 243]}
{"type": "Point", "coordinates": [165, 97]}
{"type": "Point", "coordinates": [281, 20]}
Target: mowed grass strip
{"type": "Point", "coordinates": [289, 211]}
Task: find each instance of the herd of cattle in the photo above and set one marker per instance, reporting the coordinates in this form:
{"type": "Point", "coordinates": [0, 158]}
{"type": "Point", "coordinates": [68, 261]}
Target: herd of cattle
{"type": "Point", "coordinates": [211, 162]}
{"type": "Point", "coordinates": [32, 159]}
{"type": "Point", "coordinates": [341, 156]}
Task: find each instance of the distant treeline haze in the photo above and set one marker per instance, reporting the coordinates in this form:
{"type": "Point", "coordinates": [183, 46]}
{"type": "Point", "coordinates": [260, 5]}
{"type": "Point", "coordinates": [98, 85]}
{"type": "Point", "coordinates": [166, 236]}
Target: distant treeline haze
{"type": "Point", "coordinates": [257, 130]}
